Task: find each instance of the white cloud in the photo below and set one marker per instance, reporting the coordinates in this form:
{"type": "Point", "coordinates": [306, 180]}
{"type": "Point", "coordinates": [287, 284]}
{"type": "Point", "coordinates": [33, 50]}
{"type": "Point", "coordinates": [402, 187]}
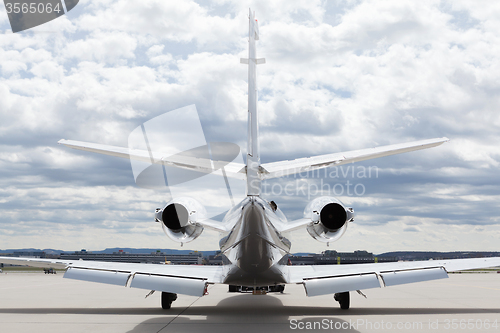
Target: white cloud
{"type": "Point", "coordinates": [113, 48]}
{"type": "Point", "coordinates": [381, 73]}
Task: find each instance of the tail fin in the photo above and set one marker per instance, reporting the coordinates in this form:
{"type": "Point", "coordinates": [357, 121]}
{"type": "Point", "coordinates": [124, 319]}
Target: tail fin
{"type": "Point", "coordinates": [253, 156]}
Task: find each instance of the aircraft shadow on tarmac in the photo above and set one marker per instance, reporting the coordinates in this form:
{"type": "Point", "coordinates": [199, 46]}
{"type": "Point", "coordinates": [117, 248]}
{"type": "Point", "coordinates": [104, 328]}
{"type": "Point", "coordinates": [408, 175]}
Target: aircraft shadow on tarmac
{"type": "Point", "coordinates": [251, 306]}
{"type": "Point", "coordinates": [240, 313]}
{"type": "Point", "coordinates": [244, 312]}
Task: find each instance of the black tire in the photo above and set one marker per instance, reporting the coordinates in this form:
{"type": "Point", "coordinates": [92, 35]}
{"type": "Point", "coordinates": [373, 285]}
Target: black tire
{"type": "Point", "coordinates": [277, 288]}
{"type": "Point", "coordinates": [167, 299]}
{"type": "Point", "coordinates": [343, 299]}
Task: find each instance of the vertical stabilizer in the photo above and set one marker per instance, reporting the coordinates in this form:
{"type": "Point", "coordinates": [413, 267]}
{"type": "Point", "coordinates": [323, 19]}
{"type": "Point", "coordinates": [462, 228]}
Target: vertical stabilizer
{"type": "Point", "coordinates": [253, 157]}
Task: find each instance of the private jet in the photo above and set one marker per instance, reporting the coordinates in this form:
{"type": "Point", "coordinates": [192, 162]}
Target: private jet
{"type": "Point", "coordinates": [254, 246]}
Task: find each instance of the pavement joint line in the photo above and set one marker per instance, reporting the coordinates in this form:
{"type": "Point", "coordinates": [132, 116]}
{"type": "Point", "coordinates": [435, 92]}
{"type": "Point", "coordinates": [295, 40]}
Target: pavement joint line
{"type": "Point", "coordinates": [180, 313]}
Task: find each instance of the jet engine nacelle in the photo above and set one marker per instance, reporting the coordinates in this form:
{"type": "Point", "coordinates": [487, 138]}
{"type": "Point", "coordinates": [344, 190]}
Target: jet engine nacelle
{"type": "Point", "coordinates": [329, 218]}
{"type": "Point", "coordinates": [179, 219]}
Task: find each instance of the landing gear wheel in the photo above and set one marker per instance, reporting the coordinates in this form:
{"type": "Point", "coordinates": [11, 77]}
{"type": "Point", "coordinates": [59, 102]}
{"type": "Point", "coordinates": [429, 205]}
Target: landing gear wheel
{"type": "Point", "coordinates": [343, 299]}
{"type": "Point", "coordinates": [277, 289]}
{"type": "Point", "coordinates": [167, 299]}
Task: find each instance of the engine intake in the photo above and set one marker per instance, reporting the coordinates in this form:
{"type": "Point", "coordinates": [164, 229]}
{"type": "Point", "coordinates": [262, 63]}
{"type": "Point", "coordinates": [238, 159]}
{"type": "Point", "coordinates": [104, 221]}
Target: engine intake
{"type": "Point", "coordinates": [175, 216]}
{"type": "Point", "coordinates": [333, 216]}
{"type": "Point", "coordinates": [329, 219]}
{"type": "Point", "coordinates": [179, 219]}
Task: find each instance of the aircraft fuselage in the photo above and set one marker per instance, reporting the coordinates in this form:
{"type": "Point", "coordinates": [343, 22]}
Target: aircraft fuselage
{"type": "Point", "coordinates": [254, 251]}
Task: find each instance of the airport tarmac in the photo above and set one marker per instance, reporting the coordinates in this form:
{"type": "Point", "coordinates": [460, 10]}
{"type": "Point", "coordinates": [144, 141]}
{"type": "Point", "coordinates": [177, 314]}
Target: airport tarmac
{"type": "Point", "coordinates": [35, 302]}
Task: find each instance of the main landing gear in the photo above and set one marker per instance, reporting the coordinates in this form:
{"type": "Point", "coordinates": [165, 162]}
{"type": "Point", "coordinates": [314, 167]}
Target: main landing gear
{"type": "Point", "coordinates": [234, 289]}
{"type": "Point", "coordinates": [343, 299]}
{"type": "Point", "coordinates": [167, 299]}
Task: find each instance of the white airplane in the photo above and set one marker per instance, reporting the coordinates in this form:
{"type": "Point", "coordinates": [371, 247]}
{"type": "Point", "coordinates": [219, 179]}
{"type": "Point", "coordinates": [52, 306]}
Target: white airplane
{"type": "Point", "coordinates": [254, 248]}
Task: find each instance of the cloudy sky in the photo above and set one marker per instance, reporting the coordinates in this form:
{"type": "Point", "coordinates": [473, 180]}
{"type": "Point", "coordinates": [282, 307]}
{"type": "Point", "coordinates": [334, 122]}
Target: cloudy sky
{"type": "Point", "coordinates": [339, 76]}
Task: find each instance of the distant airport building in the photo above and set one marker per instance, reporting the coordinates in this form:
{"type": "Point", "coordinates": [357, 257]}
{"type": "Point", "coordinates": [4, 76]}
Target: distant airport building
{"type": "Point", "coordinates": [31, 254]}
{"type": "Point", "coordinates": [214, 259]}
{"type": "Point", "coordinates": [329, 257]}
{"type": "Point", "coordinates": [333, 257]}
{"type": "Point", "coordinates": [194, 258]}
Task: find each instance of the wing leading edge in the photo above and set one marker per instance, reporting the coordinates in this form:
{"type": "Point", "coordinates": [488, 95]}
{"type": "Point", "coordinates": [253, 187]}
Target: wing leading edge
{"type": "Point", "coordinates": [179, 279]}
{"type": "Point", "coordinates": [284, 168]}
{"type": "Point", "coordinates": [330, 279]}
{"type": "Point", "coordinates": [233, 169]}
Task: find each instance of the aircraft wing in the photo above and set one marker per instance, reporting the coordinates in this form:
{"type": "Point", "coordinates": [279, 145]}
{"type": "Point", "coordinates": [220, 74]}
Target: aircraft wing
{"type": "Point", "coordinates": [233, 170]}
{"type": "Point", "coordinates": [284, 168]}
{"type": "Point", "coordinates": [330, 279]}
{"type": "Point", "coordinates": [179, 279]}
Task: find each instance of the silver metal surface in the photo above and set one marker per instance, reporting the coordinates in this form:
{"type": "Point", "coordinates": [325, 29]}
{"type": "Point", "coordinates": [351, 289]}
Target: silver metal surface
{"type": "Point", "coordinates": [325, 286]}
{"type": "Point", "coordinates": [192, 287]}
{"type": "Point", "coordinates": [411, 276]}
{"type": "Point", "coordinates": [92, 275]}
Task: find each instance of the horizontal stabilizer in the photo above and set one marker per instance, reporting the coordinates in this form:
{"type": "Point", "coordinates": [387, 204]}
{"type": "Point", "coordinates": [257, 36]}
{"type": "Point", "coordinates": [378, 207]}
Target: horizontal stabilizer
{"type": "Point", "coordinates": [233, 170]}
{"type": "Point", "coordinates": [258, 61]}
{"type": "Point", "coordinates": [284, 168]}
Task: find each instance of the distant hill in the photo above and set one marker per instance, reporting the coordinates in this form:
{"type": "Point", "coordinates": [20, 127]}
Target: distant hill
{"type": "Point", "coordinates": [48, 251]}
{"type": "Point", "coordinates": [111, 250]}
{"type": "Point", "coordinates": [425, 255]}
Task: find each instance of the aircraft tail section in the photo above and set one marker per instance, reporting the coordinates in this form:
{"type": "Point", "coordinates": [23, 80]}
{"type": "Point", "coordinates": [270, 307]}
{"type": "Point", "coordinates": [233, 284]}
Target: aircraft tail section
{"type": "Point", "coordinates": [253, 155]}
{"type": "Point", "coordinates": [254, 26]}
